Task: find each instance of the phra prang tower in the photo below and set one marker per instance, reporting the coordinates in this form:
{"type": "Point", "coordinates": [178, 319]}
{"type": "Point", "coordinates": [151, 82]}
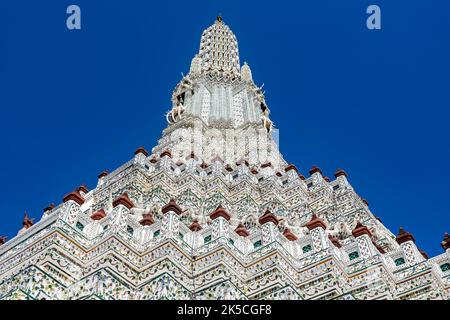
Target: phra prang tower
{"type": "Point", "coordinates": [215, 212]}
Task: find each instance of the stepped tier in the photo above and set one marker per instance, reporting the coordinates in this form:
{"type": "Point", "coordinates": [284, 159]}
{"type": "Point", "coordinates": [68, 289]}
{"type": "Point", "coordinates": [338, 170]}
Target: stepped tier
{"type": "Point", "coordinates": [133, 238]}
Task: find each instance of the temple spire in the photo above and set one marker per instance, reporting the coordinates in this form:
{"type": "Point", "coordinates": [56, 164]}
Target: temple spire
{"type": "Point", "coordinates": [219, 50]}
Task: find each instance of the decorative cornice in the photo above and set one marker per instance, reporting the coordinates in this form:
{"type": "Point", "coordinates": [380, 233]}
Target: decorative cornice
{"type": "Point", "coordinates": [166, 153]}
{"type": "Point", "coordinates": [195, 226]}
{"type": "Point", "coordinates": [339, 173]}
{"type": "Point", "coordinates": [147, 219]}
{"type": "Point", "coordinates": [241, 230]}
{"type": "Point", "coordinates": [74, 196]}
{"type": "Point", "coordinates": [315, 169]}
{"type": "Point", "coordinates": [141, 150]}
{"type": "Point", "coordinates": [315, 222]}
{"type": "Point", "coordinates": [289, 235]}
{"type": "Point", "coordinates": [268, 217]}
{"type": "Point", "coordinates": [51, 206]}
{"type": "Point", "coordinates": [172, 206]}
{"type": "Point", "coordinates": [404, 236]}
{"type": "Point", "coordinates": [98, 215]}
{"type": "Point", "coordinates": [27, 222]}
{"type": "Point", "coordinates": [291, 167]}
{"type": "Point", "coordinates": [334, 241]}
{"type": "Point", "coordinates": [220, 212]}
{"type": "Point", "coordinates": [266, 165]}
{"type": "Point", "coordinates": [103, 174]}
{"type": "Point", "coordinates": [123, 200]}
{"type": "Point", "coordinates": [445, 244]}
{"type": "Point", "coordinates": [82, 188]}
{"type": "Point", "coordinates": [360, 230]}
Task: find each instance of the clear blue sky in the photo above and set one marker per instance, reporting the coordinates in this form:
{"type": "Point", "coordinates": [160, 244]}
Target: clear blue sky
{"type": "Point", "coordinates": [376, 103]}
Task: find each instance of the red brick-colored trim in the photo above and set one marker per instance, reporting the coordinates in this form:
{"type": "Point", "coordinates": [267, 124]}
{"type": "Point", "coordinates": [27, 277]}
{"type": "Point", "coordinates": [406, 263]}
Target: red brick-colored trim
{"type": "Point", "coordinates": [315, 169]}
{"type": "Point", "coordinates": [267, 164]}
{"type": "Point", "coordinates": [195, 226]}
{"type": "Point", "coordinates": [98, 215]}
{"type": "Point", "coordinates": [327, 179]}
{"type": "Point", "coordinates": [141, 150]}
{"type": "Point", "coordinates": [241, 230]}
{"type": "Point", "coordinates": [268, 217]}
{"type": "Point", "coordinates": [103, 174]}
{"type": "Point", "coordinates": [315, 222]}
{"type": "Point", "coordinates": [83, 189]}
{"type": "Point", "coordinates": [404, 236]}
{"type": "Point", "coordinates": [74, 196]}
{"type": "Point", "coordinates": [147, 219]}
{"type": "Point", "coordinates": [291, 167]}
{"type": "Point", "coordinates": [220, 212]}
{"type": "Point", "coordinates": [242, 161]}
{"type": "Point", "coordinates": [123, 200]}
{"type": "Point", "coordinates": [172, 206]}
{"type": "Point", "coordinates": [27, 222]}
{"type": "Point", "coordinates": [334, 241]}
{"type": "Point", "coordinates": [51, 206]}
{"type": "Point", "coordinates": [340, 172]}
{"type": "Point", "coordinates": [289, 235]}
{"type": "Point", "coordinates": [2, 240]}
{"type": "Point", "coordinates": [360, 230]}
{"type": "Point", "coordinates": [445, 244]}
{"type": "Point", "coordinates": [166, 153]}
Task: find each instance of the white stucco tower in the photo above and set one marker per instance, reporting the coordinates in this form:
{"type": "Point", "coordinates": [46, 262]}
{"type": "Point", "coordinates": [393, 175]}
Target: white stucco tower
{"type": "Point", "coordinates": [218, 113]}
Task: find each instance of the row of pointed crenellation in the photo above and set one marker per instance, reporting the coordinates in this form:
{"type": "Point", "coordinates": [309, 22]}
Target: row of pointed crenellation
{"type": "Point", "coordinates": [77, 197]}
{"type": "Point", "coordinates": [220, 226]}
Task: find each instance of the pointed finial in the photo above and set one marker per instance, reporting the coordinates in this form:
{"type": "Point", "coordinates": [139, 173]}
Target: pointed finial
{"type": "Point", "coordinates": [404, 236]}
{"type": "Point", "coordinates": [446, 242]}
{"type": "Point", "coordinates": [27, 222]}
{"type": "Point", "coordinates": [219, 18]}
